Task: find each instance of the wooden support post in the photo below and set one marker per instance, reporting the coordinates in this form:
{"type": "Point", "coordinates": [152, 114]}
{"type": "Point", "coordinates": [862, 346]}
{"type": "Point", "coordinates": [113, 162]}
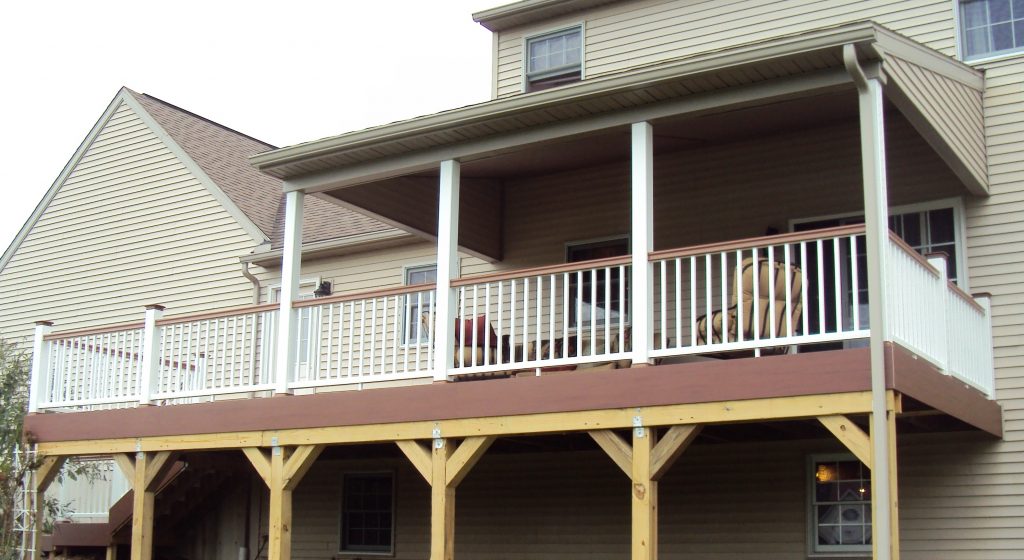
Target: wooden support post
{"type": "Point", "coordinates": [46, 472]}
{"type": "Point", "coordinates": [645, 497]}
{"type": "Point", "coordinates": [892, 508]}
{"type": "Point", "coordinates": [111, 552]}
{"type": "Point", "coordinates": [146, 470]}
{"type": "Point", "coordinates": [444, 469]}
{"type": "Point", "coordinates": [442, 504]}
{"type": "Point", "coordinates": [645, 462]}
{"type": "Point", "coordinates": [282, 471]}
{"type": "Point", "coordinates": [860, 444]}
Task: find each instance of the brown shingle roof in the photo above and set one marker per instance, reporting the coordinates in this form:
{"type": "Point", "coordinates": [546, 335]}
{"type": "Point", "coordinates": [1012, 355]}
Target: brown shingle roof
{"type": "Point", "coordinates": [222, 153]}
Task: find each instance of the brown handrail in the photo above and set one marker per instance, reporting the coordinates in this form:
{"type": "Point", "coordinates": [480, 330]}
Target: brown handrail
{"type": "Point", "coordinates": [757, 242]}
{"type": "Point", "coordinates": [959, 292]}
{"type": "Point", "coordinates": [105, 329]}
{"type": "Point", "coordinates": [913, 253]}
{"type": "Point", "coordinates": [366, 294]}
{"type": "Point", "coordinates": [217, 314]}
{"type": "Point", "coordinates": [541, 270]}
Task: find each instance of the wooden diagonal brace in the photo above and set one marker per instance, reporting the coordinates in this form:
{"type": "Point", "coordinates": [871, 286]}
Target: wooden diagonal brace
{"type": "Point", "coordinates": [850, 435]}
{"type": "Point", "coordinates": [419, 455]}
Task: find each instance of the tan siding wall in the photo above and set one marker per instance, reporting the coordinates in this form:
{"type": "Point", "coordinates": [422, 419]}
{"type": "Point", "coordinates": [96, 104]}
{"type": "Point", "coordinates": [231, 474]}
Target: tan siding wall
{"type": "Point", "coordinates": [130, 226]}
{"type": "Point", "coordinates": [630, 34]}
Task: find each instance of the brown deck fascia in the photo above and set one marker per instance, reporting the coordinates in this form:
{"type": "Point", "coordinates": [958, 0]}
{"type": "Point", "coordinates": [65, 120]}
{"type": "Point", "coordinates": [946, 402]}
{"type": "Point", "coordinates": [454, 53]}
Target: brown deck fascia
{"type": "Point", "coordinates": [816, 373]}
{"type": "Point", "coordinates": [917, 378]}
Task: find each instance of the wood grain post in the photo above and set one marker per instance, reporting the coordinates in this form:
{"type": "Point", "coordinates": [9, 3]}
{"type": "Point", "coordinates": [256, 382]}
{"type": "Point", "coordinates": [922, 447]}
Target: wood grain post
{"type": "Point", "coordinates": [644, 497]}
{"type": "Point", "coordinates": [282, 471]}
{"type": "Point", "coordinates": [442, 504]}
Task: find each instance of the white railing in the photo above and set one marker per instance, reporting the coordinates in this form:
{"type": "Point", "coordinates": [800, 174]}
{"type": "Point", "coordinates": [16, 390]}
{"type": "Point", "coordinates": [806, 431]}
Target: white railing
{"type": "Point", "coordinates": [932, 317]}
{"type": "Point", "coordinates": [92, 368]}
{"type": "Point", "coordinates": [556, 317]}
{"type": "Point", "coordinates": [757, 296]}
{"type": "Point", "coordinates": [89, 499]}
{"type": "Point", "coordinates": [762, 294]}
{"type": "Point", "coordinates": [364, 338]}
{"type": "Point", "coordinates": [218, 353]}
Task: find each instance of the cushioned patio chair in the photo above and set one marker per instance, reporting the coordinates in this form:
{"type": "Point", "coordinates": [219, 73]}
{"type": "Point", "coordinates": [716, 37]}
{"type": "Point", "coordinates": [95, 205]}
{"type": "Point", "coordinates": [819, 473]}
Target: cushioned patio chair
{"type": "Point", "coordinates": [762, 310]}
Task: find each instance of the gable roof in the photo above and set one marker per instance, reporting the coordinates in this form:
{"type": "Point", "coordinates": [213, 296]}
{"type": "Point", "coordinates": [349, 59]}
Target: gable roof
{"type": "Point", "coordinates": [221, 153]}
{"type": "Point", "coordinates": [219, 157]}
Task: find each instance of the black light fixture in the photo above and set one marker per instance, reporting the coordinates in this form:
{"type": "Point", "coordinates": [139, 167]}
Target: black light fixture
{"type": "Point", "coordinates": [323, 290]}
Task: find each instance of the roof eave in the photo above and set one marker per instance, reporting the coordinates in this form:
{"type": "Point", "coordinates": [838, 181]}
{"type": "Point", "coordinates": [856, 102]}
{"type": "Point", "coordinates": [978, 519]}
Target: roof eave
{"type": "Point", "coordinates": [861, 32]}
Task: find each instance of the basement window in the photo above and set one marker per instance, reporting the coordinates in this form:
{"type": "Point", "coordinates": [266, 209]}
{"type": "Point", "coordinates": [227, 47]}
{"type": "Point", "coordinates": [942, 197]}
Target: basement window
{"type": "Point", "coordinates": [368, 513]}
{"type": "Point", "coordinates": [839, 515]}
{"type": "Point", "coordinates": [554, 59]}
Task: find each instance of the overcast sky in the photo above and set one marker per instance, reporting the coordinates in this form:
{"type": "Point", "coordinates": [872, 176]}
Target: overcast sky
{"type": "Point", "coordinates": [283, 72]}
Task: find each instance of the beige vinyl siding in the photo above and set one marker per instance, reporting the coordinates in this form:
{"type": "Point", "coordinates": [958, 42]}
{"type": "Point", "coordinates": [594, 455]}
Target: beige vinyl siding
{"type": "Point", "coordinates": [129, 226]}
{"type": "Point", "coordinates": [995, 243]}
{"type": "Point", "coordinates": [635, 33]}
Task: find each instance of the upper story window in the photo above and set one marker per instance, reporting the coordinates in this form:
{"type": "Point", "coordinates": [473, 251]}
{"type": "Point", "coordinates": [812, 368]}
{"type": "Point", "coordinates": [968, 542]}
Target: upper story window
{"type": "Point", "coordinates": [554, 59]}
{"type": "Point", "coordinates": [991, 27]}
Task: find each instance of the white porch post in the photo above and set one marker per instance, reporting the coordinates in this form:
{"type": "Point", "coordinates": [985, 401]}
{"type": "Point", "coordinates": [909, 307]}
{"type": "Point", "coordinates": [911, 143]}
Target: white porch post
{"type": "Point", "coordinates": [884, 528]}
{"type": "Point", "coordinates": [447, 268]}
{"type": "Point", "coordinates": [642, 239]}
{"type": "Point", "coordinates": [150, 368]}
{"type": "Point", "coordinates": [40, 364]}
{"type": "Point", "coordinates": [287, 322]}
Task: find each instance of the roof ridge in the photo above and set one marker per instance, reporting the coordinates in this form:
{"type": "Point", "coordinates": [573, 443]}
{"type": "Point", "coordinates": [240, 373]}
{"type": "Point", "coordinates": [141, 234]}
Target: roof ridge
{"type": "Point", "coordinates": [206, 120]}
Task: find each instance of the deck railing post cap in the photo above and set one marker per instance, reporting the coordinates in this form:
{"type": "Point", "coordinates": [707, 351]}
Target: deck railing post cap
{"type": "Point", "coordinates": [155, 306]}
{"type": "Point", "coordinates": [937, 255]}
{"type": "Point", "coordinates": [981, 295]}
{"type": "Point", "coordinates": [44, 323]}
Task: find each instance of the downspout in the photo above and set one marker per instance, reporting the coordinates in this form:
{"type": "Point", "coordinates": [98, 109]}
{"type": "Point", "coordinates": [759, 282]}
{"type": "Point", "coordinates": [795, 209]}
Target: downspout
{"type": "Point", "coordinates": [872, 134]}
{"type": "Point", "coordinates": [256, 289]}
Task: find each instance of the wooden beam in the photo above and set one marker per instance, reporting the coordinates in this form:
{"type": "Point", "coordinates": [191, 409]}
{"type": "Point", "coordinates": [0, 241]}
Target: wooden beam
{"type": "Point", "coordinates": [850, 435]}
{"type": "Point", "coordinates": [672, 445]}
{"type": "Point", "coordinates": [299, 463]}
{"type": "Point", "coordinates": [465, 458]}
{"type": "Point", "coordinates": [775, 408]}
{"type": "Point", "coordinates": [260, 461]}
{"type": "Point", "coordinates": [616, 448]}
{"type": "Point", "coordinates": [48, 469]}
{"type": "Point", "coordinates": [442, 504]}
{"type": "Point", "coordinates": [644, 497]}
{"type": "Point", "coordinates": [126, 463]}
{"type": "Point", "coordinates": [418, 455]}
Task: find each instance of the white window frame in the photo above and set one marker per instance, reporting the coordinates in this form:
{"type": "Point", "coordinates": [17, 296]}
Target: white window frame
{"type": "Point", "coordinates": [341, 515]}
{"type": "Point", "coordinates": [406, 269]}
{"type": "Point", "coordinates": [833, 551]}
{"type": "Point", "coordinates": [959, 227]}
{"type": "Point", "coordinates": [527, 39]}
{"type": "Point", "coordinates": [627, 320]}
{"type": "Point", "coordinates": [958, 28]}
